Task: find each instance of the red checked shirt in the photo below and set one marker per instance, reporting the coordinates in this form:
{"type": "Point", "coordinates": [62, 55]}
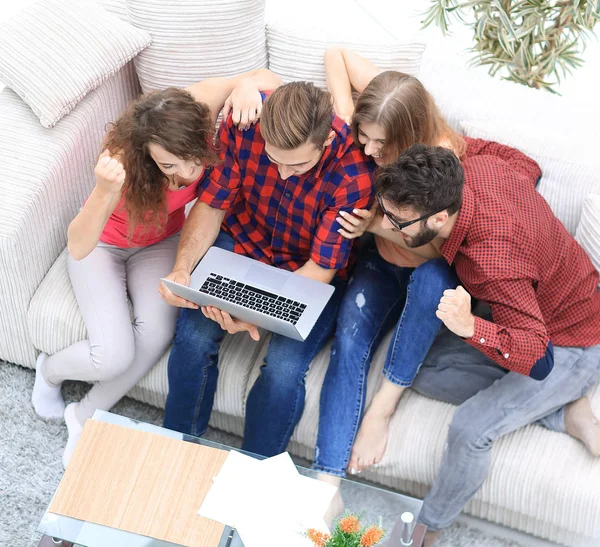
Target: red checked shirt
{"type": "Point", "coordinates": [287, 222]}
{"type": "Point", "coordinates": [513, 253]}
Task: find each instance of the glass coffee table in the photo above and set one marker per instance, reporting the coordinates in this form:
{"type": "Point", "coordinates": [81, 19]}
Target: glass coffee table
{"type": "Point", "coordinates": [373, 502]}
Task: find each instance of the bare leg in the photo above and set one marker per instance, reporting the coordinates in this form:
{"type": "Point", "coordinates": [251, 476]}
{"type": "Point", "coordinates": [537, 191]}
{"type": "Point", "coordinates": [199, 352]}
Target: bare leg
{"type": "Point", "coordinates": [371, 438]}
{"type": "Point", "coordinates": [336, 507]}
{"type": "Point", "coordinates": [581, 423]}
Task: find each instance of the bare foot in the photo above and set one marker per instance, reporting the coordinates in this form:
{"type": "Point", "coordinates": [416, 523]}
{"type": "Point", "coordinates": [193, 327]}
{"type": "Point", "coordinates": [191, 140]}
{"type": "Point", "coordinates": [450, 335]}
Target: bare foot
{"type": "Point", "coordinates": [581, 423]}
{"type": "Point", "coordinates": [370, 442]}
{"type": "Point", "coordinates": [431, 538]}
{"type": "Point", "coordinates": [336, 507]}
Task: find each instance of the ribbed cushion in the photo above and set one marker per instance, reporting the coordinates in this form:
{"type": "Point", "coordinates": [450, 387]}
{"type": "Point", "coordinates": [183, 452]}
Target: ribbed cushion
{"type": "Point", "coordinates": [116, 7]}
{"type": "Point", "coordinates": [570, 168]}
{"type": "Point", "coordinates": [588, 231]}
{"type": "Point", "coordinates": [54, 52]}
{"type": "Point", "coordinates": [46, 174]}
{"type": "Point", "coordinates": [194, 40]}
{"type": "Point", "coordinates": [296, 53]}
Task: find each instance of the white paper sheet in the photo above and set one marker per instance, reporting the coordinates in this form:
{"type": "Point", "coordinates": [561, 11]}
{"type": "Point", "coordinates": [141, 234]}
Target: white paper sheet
{"type": "Point", "coordinates": [267, 501]}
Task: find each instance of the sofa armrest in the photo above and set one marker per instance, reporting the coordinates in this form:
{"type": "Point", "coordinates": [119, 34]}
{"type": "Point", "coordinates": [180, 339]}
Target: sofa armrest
{"type": "Point", "coordinates": [45, 175]}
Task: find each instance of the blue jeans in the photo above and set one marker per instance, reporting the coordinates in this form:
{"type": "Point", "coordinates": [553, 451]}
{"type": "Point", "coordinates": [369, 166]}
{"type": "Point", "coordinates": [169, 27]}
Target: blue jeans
{"type": "Point", "coordinates": [379, 296]}
{"type": "Point", "coordinates": [492, 402]}
{"type": "Point", "coordinates": [275, 403]}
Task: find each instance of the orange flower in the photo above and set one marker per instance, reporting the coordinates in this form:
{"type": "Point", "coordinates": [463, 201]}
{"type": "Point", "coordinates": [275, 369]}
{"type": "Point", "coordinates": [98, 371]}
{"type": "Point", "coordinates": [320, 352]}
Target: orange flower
{"type": "Point", "coordinates": [318, 538]}
{"type": "Point", "coordinates": [371, 536]}
{"type": "Point", "coordinates": [349, 524]}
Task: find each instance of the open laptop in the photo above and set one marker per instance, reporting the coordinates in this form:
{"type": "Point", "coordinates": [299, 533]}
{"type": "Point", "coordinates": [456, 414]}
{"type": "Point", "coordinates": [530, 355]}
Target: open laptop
{"type": "Point", "coordinates": [277, 300]}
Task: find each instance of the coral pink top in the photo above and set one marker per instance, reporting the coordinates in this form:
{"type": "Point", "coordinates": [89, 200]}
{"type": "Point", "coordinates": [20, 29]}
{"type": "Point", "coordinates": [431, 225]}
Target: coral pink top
{"type": "Point", "coordinates": [117, 228]}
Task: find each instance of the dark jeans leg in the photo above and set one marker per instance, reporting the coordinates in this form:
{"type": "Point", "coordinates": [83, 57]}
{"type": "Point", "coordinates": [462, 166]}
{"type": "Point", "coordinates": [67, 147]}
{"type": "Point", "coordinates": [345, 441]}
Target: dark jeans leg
{"type": "Point", "coordinates": [418, 325]}
{"type": "Point", "coordinates": [371, 306]}
{"type": "Point", "coordinates": [276, 401]}
{"type": "Point", "coordinates": [192, 368]}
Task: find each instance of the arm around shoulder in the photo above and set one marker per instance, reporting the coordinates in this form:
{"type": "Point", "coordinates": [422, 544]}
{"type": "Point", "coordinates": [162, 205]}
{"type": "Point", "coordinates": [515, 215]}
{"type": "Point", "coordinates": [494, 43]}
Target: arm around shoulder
{"type": "Point", "coordinates": [216, 92]}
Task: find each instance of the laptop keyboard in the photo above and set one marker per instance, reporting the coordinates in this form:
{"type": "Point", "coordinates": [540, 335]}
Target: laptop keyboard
{"type": "Point", "coordinates": [253, 298]}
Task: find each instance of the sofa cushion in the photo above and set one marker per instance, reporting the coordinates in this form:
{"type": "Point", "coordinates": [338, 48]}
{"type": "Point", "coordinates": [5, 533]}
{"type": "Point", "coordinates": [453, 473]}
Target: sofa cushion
{"type": "Point", "coordinates": [194, 40]}
{"type": "Point", "coordinates": [54, 52]}
{"type": "Point", "coordinates": [296, 53]}
{"type": "Point", "coordinates": [570, 168]}
{"type": "Point", "coordinates": [588, 231]}
{"type": "Point", "coordinates": [117, 7]}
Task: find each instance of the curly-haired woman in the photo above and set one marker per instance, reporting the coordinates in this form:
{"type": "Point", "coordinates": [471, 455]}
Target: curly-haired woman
{"type": "Point", "coordinates": [125, 238]}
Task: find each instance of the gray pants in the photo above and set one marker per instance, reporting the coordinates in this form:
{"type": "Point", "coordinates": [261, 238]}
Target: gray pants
{"type": "Point", "coordinates": [118, 353]}
{"type": "Point", "coordinates": [493, 402]}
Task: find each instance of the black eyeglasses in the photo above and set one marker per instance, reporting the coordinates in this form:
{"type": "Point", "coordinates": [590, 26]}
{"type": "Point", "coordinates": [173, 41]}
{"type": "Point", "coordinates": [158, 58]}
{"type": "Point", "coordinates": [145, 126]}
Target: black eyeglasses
{"type": "Point", "coordinates": [401, 225]}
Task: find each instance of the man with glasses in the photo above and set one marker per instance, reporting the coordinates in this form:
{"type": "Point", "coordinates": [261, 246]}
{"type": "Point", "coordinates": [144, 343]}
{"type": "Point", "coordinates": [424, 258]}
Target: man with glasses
{"type": "Point", "coordinates": [397, 284]}
{"type": "Point", "coordinates": [276, 196]}
{"type": "Point", "coordinates": [538, 351]}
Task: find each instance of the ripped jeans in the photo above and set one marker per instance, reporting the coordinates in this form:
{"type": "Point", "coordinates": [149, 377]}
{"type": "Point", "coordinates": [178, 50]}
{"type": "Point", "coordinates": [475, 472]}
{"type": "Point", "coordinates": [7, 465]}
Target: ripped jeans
{"type": "Point", "coordinates": [379, 297]}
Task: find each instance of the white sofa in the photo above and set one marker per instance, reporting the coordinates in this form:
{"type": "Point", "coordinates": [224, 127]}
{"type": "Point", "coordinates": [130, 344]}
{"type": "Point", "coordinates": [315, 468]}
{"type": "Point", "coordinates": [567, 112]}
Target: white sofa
{"type": "Point", "coordinates": [541, 482]}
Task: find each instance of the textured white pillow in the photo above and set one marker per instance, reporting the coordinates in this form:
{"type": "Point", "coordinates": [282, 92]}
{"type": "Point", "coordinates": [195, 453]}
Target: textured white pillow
{"type": "Point", "coordinates": [570, 168]}
{"type": "Point", "coordinates": [588, 231]}
{"type": "Point", "coordinates": [296, 51]}
{"type": "Point", "coordinates": [54, 52]}
{"type": "Point", "coordinates": [197, 39]}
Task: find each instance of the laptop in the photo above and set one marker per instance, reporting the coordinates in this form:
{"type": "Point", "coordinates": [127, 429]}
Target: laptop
{"type": "Point", "coordinates": [268, 297]}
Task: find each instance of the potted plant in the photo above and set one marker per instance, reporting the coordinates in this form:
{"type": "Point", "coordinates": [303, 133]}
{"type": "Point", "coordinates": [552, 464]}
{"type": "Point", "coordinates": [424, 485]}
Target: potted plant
{"type": "Point", "coordinates": [348, 532]}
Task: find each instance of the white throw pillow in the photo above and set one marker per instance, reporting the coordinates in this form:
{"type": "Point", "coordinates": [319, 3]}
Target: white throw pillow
{"type": "Point", "coordinates": [197, 39]}
{"type": "Point", "coordinates": [296, 52]}
{"type": "Point", "coordinates": [54, 52]}
{"type": "Point", "coordinates": [570, 168]}
{"type": "Point", "coordinates": [588, 231]}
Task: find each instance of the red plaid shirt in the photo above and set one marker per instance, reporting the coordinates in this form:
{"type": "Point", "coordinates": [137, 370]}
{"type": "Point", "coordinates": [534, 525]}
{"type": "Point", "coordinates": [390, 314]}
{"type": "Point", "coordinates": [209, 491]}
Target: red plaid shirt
{"type": "Point", "coordinates": [513, 253]}
{"type": "Point", "coordinates": [287, 222]}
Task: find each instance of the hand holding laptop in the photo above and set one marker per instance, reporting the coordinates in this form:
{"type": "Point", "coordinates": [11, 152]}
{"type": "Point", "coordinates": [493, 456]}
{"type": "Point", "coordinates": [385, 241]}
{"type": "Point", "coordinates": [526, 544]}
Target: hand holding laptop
{"type": "Point", "coordinates": [230, 324]}
{"type": "Point", "coordinates": [181, 277]}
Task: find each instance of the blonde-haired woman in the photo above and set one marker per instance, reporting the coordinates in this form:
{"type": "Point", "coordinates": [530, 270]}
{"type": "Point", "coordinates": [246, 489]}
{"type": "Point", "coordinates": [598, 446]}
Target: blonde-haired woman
{"type": "Point", "coordinates": [399, 278]}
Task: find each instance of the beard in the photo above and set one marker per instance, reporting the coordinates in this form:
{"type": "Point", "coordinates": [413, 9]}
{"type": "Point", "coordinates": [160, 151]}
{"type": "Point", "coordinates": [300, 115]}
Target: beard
{"type": "Point", "coordinates": [426, 235]}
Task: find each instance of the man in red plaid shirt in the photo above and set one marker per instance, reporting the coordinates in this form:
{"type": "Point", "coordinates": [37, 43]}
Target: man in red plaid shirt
{"type": "Point", "coordinates": [275, 198]}
{"type": "Point", "coordinates": [539, 351]}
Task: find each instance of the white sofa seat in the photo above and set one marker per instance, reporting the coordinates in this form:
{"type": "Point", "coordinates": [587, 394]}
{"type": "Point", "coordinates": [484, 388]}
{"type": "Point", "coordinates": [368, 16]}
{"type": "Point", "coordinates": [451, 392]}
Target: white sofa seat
{"type": "Point", "coordinates": [540, 481]}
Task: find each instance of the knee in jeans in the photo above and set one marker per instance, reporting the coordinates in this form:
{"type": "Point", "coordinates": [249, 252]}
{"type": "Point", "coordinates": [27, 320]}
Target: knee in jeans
{"type": "Point", "coordinates": [192, 327]}
{"type": "Point", "coordinates": [434, 276]}
{"type": "Point", "coordinates": [463, 434]}
{"type": "Point", "coordinates": [282, 378]}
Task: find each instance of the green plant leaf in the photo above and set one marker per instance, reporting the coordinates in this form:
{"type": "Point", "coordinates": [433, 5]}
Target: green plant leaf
{"type": "Point", "coordinates": [504, 42]}
{"type": "Point", "coordinates": [506, 22]}
{"type": "Point", "coordinates": [532, 42]}
{"type": "Point", "coordinates": [480, 26]}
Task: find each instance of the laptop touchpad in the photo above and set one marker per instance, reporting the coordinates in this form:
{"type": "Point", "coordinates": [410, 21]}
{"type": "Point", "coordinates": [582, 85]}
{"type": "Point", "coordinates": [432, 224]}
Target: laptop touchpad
{"type": "Point", "coordinates": [266, 277]}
